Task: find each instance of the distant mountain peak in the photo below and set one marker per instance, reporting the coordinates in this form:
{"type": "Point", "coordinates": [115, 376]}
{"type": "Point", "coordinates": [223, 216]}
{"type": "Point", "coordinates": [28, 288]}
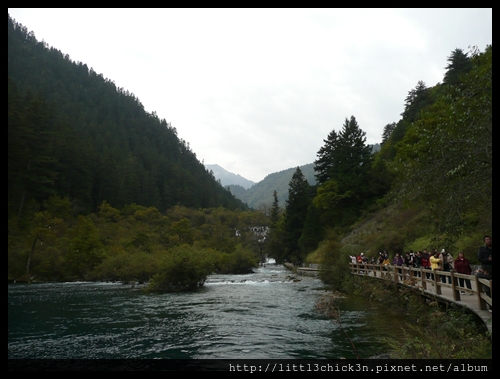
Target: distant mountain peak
{"type": "Point", "coordinates": [228, 178]}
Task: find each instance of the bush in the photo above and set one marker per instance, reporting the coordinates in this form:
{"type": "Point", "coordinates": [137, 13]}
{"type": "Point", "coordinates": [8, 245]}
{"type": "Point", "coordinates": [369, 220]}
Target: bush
{"type": "Point", "coordinates": [334, 264]}
{"type": "Point", "coordinates": [125, 266]}
{"type": "Point", "coordinates": [242, 261]}
{"type": "Point", "coordinates": [184, 268]}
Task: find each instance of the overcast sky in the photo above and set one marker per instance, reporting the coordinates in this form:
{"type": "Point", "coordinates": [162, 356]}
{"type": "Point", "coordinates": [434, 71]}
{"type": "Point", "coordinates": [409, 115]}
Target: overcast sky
{"type": "Point", "coordinates": [256, 91]}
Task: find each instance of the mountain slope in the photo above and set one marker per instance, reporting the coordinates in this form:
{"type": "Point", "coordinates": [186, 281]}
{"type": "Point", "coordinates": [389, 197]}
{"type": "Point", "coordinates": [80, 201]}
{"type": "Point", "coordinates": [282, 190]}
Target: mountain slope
{"type": "Point", "coordinates": [228, 178]}
{"type": "Point", "coordinates": [74, 134]}
{"type": "Point", "coordinates": [261, 193]}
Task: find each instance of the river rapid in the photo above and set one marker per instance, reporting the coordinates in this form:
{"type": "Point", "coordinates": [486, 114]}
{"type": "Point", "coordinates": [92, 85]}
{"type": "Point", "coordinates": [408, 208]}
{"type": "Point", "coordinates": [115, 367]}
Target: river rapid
{"type": "Point", "coordinates": [269, 314]}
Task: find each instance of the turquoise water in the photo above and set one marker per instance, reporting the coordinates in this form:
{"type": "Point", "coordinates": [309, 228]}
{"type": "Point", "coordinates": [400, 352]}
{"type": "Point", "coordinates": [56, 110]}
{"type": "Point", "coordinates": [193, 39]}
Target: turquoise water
{"type": "Point", "coordinates": [261, 315]}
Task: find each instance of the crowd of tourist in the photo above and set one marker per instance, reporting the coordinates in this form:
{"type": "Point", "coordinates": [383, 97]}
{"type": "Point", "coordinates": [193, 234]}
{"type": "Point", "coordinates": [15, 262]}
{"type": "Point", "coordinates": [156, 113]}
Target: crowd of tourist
{"type": "Point", "coordinates": [437, 260]}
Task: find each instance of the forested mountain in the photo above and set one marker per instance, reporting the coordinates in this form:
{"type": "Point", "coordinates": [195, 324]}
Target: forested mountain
{"type": "Point", "coordinates": [260, 195]}
{"type": "Point", "coordinates": [73, 133]}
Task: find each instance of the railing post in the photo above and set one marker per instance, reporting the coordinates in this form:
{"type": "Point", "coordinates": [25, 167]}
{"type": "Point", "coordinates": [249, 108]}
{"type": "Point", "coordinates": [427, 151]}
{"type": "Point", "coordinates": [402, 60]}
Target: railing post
{"type": "Point", "coordinates": [367, 267]}
{"type": "Point", "coordinates": [480, 301]}
{"type": "Point", "coordinates": [413, 276]}
{"type": "Point", "coordinates": [491, 289]}
{"type": "Point", "coordinates": [483, 304]}
{"type": "Point", "coordinates": [454, 290]}
{"type": "Point", "coordinates": [437, 280]}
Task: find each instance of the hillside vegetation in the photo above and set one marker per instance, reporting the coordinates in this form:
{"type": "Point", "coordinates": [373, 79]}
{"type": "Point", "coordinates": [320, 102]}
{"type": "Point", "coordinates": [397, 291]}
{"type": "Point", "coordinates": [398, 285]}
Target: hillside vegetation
{"type": "Point", "coordinates": [100, 189]}
{"type": "Point", "coordinates": [429, 186]}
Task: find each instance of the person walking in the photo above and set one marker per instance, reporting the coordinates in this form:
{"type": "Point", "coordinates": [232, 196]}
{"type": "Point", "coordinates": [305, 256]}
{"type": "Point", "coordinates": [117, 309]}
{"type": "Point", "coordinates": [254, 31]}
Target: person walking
{"type": "Point", "coordinates": [417, 261]}
{"type": "Point", "coordinates": [484, 256]}
{"type": "Point", "coordinates": [409, 259]}
{"type": "Point", "coordinates": [360, 260]}
{"type": "Point", "coordinates": [380, 259]}
{"type": "Point", "coordinates": [462, 266]}
{"type": "Point", "coordinates": [399, 261]}
{"type": "Point", "coordinates": [435, 263]}
{"type": "Point", "coordinates": [446, 264]}
{"type": "Point", "coordinates": [425, 261]}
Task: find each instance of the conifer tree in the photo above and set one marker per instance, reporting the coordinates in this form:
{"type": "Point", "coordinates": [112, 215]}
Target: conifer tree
{"type": "Point", "coordinates": [459, 64]}
{"type": "Point", "coordinates": [274, 245]}
{"type": "Point", "coordinates": [295, 214]}
{"type": "Point", "coordinates": [343, 165]}
{"type": "Point", "coordinates": [388, 129]}
{"type": "Point", "coordinates": [324, 163]}
{"type": "Point", "coordinates": [352, 157]}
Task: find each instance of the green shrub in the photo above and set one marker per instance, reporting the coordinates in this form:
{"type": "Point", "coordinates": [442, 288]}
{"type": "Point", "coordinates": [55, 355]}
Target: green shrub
{"type": "Point", "coordinates": [184, 268]}
{"type": "Point", "coordinates": [242, 261]}
{"type": "Point", "coordinates": [334, 264]}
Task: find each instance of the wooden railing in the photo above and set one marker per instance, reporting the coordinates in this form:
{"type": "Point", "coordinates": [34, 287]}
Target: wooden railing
{"type": "Point", "coordinates": [421, 277]}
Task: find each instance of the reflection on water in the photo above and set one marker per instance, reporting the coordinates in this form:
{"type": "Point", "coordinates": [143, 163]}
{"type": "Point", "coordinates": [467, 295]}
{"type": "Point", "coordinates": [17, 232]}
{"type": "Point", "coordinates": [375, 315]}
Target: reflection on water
{"type": "Point", "coordinates": [259, 315]}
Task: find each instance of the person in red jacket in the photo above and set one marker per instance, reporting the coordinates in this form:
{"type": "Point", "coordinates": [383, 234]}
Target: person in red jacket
{"type": "Point", "coordinates": [360, 260]}
{"type": "Point", "coordinates": [462, 266]}
{"type": "Point", "coordinates": [425, 262]}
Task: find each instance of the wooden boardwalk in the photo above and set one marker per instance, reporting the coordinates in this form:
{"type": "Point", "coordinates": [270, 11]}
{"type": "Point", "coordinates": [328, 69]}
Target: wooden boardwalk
{"type": "Point", "coordinates": [429, 284]}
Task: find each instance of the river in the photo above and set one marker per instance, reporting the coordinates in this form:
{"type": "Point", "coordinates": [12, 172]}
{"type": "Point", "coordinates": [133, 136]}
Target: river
{"type": "Point", "coordinates": [265, 315]}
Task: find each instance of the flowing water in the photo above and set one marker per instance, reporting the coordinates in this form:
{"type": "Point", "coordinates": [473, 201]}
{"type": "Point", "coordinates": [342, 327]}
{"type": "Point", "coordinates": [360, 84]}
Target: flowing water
{"type": "Point", "coordinates": [264, 315]}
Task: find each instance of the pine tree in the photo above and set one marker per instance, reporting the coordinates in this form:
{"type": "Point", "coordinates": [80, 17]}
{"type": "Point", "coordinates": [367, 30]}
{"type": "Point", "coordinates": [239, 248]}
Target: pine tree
{"type": "Point", "coordinates": [275, 210]}
{"type": "Point", "coordinates": [324, 163]}
{"type": "Point", "coordinates": [347, 162]}
{"type": "Point", "coordinates": [295, 214]}
{"type": "Point", "coordinates": [417, 99]}
{"type": "Point", "coordinates": [274, 245]}
{"type": "Point", "coordinates": [388, 129]}
{"type": "Point", "coordinates": [353, 157]}
{"type": "Point", "coordinates": [312, 232]}
{"type": "Point", "coordinates": [459, 64]}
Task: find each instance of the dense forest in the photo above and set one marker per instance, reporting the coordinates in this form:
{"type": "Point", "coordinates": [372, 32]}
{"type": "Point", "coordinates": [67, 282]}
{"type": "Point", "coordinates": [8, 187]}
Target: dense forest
{"type": "Point", "coordinates": [73, 133]}
{"type": "Point", "coordinates": [99, 189]}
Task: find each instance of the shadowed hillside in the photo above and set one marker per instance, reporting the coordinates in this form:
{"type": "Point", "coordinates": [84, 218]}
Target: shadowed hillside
{"type": "Point", "coordinates": [73, 133]}
{"type": "Point", "coordinates": [261, 193]}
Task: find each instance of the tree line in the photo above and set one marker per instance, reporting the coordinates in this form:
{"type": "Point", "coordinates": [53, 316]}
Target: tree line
{"type": "Point", "coordinates": [175, 250]}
